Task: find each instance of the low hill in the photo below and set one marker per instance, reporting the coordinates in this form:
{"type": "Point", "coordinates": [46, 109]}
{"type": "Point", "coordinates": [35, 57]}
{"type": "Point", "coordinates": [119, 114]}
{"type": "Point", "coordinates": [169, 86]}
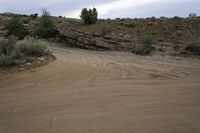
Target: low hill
{"type": "Point", "coordinates": [169, 35]}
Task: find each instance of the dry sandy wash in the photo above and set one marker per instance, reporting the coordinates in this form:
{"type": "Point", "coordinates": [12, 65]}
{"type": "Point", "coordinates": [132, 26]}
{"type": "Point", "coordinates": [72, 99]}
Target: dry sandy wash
{"type": "Point", "coordinates": [103, 92]}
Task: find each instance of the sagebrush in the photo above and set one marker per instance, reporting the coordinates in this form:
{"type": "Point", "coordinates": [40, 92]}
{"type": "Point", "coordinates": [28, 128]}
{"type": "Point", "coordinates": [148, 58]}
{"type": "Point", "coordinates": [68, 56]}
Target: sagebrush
{"type": "Point", "coordinates": [10, 51]}
{"type": "Point", "coordinates": [6, 46]}
{"type": "Point", "coordinates": [9, 59]}
{"type": "Point", "coordinates": [32, 47]}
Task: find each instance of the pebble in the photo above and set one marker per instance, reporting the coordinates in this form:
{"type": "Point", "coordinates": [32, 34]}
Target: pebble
{"type": "Point", "coordinates": [178, 58]}
{"type": "Point", "coordinates": [28, 64]}
{"type": "Point", "coordinates": [41, 59]}
{"type": "Point", "coordinates": [21, 69]}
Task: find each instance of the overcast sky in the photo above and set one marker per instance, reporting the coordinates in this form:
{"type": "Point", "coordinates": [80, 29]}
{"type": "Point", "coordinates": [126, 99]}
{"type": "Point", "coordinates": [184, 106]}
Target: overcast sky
{"type": "Point", "coordinates": [106, 8]}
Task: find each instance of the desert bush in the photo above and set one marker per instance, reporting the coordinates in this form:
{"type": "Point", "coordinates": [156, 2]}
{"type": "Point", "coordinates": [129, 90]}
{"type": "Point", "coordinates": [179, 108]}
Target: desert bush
{"type": "Point", "coordinates": [32, 47]}
{"type": "Point", "coordinates": [193, 48]}
{"type": "Point", "coordinates": [6, 46]}
{"type": "Point", "coordinates": [146, 45]}
{"type": "Point", "coordinates": [46, 27]}
{"type": "Point", "coordinates": [89, 16]}
{"type": "Point", "coordinates": [7, 52]}
{"type": "Point", "coordinates": [15, 27]}
{"type": "Point", "coordinates": [131, 25]}
{"type": "Point", "coordinates": [25, 21]}
{"type": "Point", "coordinates": [147, 39]}
{"type": "Point", "coordinates": [143, 49]}
{"type": "Point", "coordinates": [10, 51]}
{"type": "Point", "coordinates": [7, 60]}
{"type": "Point", "coordinates": [106, 29]}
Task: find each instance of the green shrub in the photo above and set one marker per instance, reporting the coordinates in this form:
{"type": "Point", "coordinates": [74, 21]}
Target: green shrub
{"type": "Point", "coordinates": [147, 39]}
{"type": "Point", "coordinates": [25, 21]}
{"type": "Point", "coordinates": [7, 60]}
{"type": "Point", "coordinates": [131, 25]}
{"type": "Point", "coordinates": [15, 27]}
{"type": "Point", "coordinates": [6, 46]}
{"type": "Point", "coordinates": [32, 47]}
{"type": "Point", "coordinates": [89, 16]}
{"type": "Point", "coordinates": [146, 46]}
{"type": "Point", "coordinates": [106, 29]}
{"type": "Point", "coordinates": [143, 49]}
{"type": "Point", "coordinates": [193, 48]}
{"type": "Point", "coordinates": [46, 27]}
{"type": "Point", "coordinates": [10, 51]}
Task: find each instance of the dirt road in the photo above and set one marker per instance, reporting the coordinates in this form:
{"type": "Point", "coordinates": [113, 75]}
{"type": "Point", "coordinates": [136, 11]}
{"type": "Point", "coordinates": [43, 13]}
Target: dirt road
{"type": "Point", "coordinates": [103, 92]}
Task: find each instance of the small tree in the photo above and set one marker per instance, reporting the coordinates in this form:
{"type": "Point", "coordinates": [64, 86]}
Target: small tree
{"type": "Point", "coordinates": [89, 16]}
{"type": "Point", "coordinates": [192, 15]}
{"type": "Point", "coordinates": [34, 16]}
{"type": "Point", "coordinates": [15, 27]}
{"type": "Point", "coordinates": [46, 27]}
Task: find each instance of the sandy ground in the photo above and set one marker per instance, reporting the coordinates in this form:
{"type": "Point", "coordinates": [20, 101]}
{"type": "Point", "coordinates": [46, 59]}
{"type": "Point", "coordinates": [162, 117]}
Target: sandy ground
{"type": "Point", "coordinates": [103, 92]}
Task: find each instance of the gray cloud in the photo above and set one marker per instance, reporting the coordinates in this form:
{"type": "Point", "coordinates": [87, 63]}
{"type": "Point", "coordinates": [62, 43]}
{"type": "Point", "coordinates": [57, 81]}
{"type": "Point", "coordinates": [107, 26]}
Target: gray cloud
{"type": "Point", "coordinates": [107, 8]}
{"type": "Point", "coordinates": [159, 8]}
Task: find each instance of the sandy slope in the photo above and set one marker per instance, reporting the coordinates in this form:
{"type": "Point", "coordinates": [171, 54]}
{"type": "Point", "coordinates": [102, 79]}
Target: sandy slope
{"type": "Point", "coordinates": [103, 92]}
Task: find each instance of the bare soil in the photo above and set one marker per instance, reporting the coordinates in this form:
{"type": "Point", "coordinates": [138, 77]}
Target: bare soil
{"type": "Point", "coordinates": [103, 92]}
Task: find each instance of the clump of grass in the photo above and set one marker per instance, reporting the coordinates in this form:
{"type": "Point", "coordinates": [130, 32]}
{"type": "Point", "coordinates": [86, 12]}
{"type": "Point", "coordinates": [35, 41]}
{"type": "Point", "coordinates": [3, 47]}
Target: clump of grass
{"type": "Point", "coordinates": [146, 45]}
